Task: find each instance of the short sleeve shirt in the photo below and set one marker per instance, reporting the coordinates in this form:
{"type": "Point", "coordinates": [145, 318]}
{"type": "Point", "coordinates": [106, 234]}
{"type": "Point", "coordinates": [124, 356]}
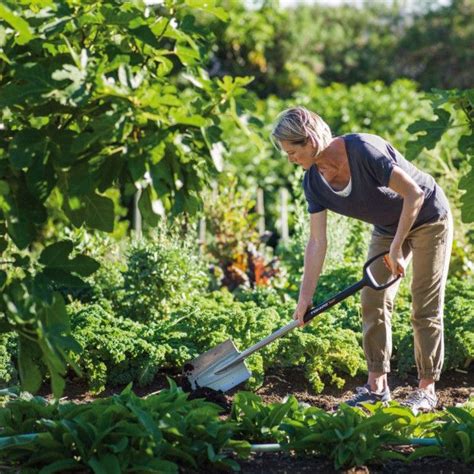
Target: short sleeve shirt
{"type": "Point", "coordinates": [371, 161]}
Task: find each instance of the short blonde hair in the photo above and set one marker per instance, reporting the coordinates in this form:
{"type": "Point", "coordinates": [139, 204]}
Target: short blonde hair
{"type": "Point", "coordinates": [298, 125]}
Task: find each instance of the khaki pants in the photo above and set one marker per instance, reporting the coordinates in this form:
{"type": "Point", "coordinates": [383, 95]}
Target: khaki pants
{"type": "Point", "coordinates": [429, 247]}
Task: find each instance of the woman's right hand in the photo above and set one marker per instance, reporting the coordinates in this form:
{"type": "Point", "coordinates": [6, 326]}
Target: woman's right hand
{"type": "Point", "coordinates": [301, 309]}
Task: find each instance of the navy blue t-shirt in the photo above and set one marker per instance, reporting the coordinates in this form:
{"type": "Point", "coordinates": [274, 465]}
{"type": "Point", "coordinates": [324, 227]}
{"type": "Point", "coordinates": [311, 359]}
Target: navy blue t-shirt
{"type": "Point", "coordinates": [371, 161]}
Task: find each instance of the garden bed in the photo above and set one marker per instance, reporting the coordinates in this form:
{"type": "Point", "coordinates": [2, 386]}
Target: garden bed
{"type": "Point", "coordinates": [454, 388]}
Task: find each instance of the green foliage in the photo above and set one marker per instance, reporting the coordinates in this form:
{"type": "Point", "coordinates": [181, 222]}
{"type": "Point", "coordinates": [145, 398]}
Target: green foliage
{"type": "Point", "coordinates": [289, 49]}
{"type": "Point", "coordinates": [258, 421]}
{"type": "Point", "coordinates": [328, 353]}
{"type": "Point", "coordinates": [349, 437]}
{"type": "Point", "coordinates": [166, 432]}
{"type": "Point", "coordinates": [457, 434]}
{"type": "Point", "coordinates": [115, 350]}
{"type": "Point", "coordinates": [8, 373]}
{"type": "Point", "coordinates": [97, 98]}
{"type": "Point", "coordinates": [232, 241]}
{"type": "Point", "coordinates": [459, 324]}
{"type": "Point", "coordinates": [162, 273]}
{"type": "Point", "coordinates": [217, 317]}
{"type": "Point", "coordinates": [161, 433]}
{"type": "Point", "coordinates": [433, 131]}
{"type": "Point", "coordinates": [435, 49]}
{"type": "Point", "coordinates": [250, 44]}
{"type": "Point", "coordinates": [43, 341]}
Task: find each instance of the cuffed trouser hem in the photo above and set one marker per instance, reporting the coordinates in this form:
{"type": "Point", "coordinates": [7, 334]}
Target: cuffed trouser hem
{"type": "Point", "coordinates": [381, 366]}
{"type": "Point", "coordinates": [433, 374]}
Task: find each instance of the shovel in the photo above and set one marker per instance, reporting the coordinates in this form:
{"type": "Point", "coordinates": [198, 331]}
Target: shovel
{"type": "Point", "coordinates": [223, 367]}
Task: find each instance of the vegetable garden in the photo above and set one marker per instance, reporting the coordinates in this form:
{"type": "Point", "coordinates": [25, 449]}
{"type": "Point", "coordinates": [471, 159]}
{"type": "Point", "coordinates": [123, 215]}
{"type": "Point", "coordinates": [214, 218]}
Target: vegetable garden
{"type": "Point", "coordinates": [130, 158]}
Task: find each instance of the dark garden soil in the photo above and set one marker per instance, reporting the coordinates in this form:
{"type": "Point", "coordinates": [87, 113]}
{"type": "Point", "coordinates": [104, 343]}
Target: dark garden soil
{"type": "Point", "coordinates": [454, 388]}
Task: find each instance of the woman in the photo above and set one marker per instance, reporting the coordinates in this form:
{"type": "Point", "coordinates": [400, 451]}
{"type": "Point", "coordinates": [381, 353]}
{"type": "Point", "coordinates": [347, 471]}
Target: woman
{"type": "Point", "coordinates": [362, 176]}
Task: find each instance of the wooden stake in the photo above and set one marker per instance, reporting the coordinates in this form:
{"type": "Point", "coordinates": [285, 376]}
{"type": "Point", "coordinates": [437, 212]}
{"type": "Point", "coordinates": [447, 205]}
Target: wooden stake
{"type": "Point", "coordinates": [284, 215]}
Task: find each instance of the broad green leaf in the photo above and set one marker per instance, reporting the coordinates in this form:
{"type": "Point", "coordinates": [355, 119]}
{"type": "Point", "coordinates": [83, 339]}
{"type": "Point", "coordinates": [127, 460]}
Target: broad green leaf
{"type": "Point", "coordinates": [57, 383]}
{"type": "Point", "coordinates": [99, 212]}
{"type": "Point", "coordinates": [433, 132]}
{"type": "Point", "coordinates": [26, 146]}
{"type": "Point", "coordinates": [4, 188]}
{"type": "Point", "coordinates": [165, 67]}
{"type": "Point", "coordinates": [117, 16]}
{"type": "Point", "coordinates": [21, 230]}
{"type": "Point", "coordinates": [7, 442]}
{"type": "Point", "coordinates": [60, 148]}
{"type": "Point", "coordinates": [63, 277]}
{"type": "Point", "coordinates": [105, 464]}
{"type": "Point", "coordinates": [187, 55]}
{"type": "Point", "coordinates": [56, 314]}
{"type": "Point", "coordinates": [18, 23]}
{"type": "Point", "coordinates": [41, 178]}
{"type": "Point", "coordinates": [209, 7]}
{"type": "Point", "coordinates": [146, 420]}
{"type": "Point", "coordinates": [466, 144]}
{"type": "Point", "coordinates": [32, 85]}
{"type": "Point", "coordinates": [162, 176]}
{"type": "Point", "coordinates": [95, 211]}
{"type": "Point", "coordinates": [194, 120]}
{"type": "Point", "coordinates": [57, 254]}
{"type": "Point", "coordinates": [82, 178]}
{"type": "Point", "coordinates": [143, 33]}
{"type": "Point", "coordinates": [3, 244]}
{"type": "Point", "coordinates": [28, 365]}
{"type": "Point", "coordinates": [83, 265]}
{"type": "Point", "coordinates": [41, 288]}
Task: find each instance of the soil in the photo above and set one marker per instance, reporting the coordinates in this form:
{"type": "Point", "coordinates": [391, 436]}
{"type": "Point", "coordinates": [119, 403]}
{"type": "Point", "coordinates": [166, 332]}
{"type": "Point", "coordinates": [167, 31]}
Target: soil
{"type": "Point", "coordinates": [454, 388]}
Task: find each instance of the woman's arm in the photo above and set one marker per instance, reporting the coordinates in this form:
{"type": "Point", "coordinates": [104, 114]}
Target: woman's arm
{"type": "Point", "coordinates": [413, 198]}
{"type": "Point", "coordinates": [313, 263]}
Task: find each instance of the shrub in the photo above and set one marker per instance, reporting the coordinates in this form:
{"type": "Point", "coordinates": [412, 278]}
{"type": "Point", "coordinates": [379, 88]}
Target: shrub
{"type": "Point", "coordinates": [163, 271]}
{"type": "Point", "coordinates": [211, 319]}
{"type": "Point", "coordinates": [8, 373]}
{"type": "Point", "coordinates": [116, 350]}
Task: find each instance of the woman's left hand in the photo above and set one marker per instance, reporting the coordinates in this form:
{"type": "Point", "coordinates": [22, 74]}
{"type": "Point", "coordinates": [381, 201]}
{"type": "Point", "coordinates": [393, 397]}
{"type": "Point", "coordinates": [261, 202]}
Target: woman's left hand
{"type": "Point", "coordinates": [395, 261]}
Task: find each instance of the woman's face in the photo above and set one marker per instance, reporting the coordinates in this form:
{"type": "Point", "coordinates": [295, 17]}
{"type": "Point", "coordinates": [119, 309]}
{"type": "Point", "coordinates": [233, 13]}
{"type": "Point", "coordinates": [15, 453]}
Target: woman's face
{"type": "Point", "coordinates": [302, 155]}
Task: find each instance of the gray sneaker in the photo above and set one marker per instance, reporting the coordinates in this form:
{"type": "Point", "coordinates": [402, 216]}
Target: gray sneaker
{"type": "Point", "coordinates": [365, 395]}
{"type": "Point", "coordinates": [420, 400]}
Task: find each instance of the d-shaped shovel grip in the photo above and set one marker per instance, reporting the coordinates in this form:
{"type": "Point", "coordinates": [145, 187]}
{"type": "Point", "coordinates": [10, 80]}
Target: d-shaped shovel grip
{"type": "Point", "coordinates": [367, 280]}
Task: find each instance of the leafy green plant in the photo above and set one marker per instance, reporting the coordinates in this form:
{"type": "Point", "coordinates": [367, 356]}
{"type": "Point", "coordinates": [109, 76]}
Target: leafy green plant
{"type": "Point", "coordinates": [258, 421]}
{"type": "Point", "coordinates": [97, 100]}
{"type": "Point", "coordinates": [349, 437]}
{"type": "Point", "coordinates": [217, 317]}
{"type": "Point", "coordinates": [115, 350]}
{"type": "Point", "coordinates": [457, 434]}
{"type": "Point", "coordinates": [327, 353]}
{"type": "Point", "coordinates": [233, 241]}
{"type": "Point", "coordinates": [8, 373]}
{"type": "Point", "coordinates": [452, 109]}
{"type": "Point", "coordinates": [121, 433]}
{"type": "Point", "coordinates": [162, 272]}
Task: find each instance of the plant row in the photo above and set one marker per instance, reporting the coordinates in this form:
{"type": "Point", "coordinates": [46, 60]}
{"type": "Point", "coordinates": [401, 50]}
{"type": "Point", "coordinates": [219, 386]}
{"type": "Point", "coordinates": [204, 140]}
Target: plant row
{"type": "Point", "coordinates": [159, 305]}
{"type": "Point", "coordinates": [165, 432]}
